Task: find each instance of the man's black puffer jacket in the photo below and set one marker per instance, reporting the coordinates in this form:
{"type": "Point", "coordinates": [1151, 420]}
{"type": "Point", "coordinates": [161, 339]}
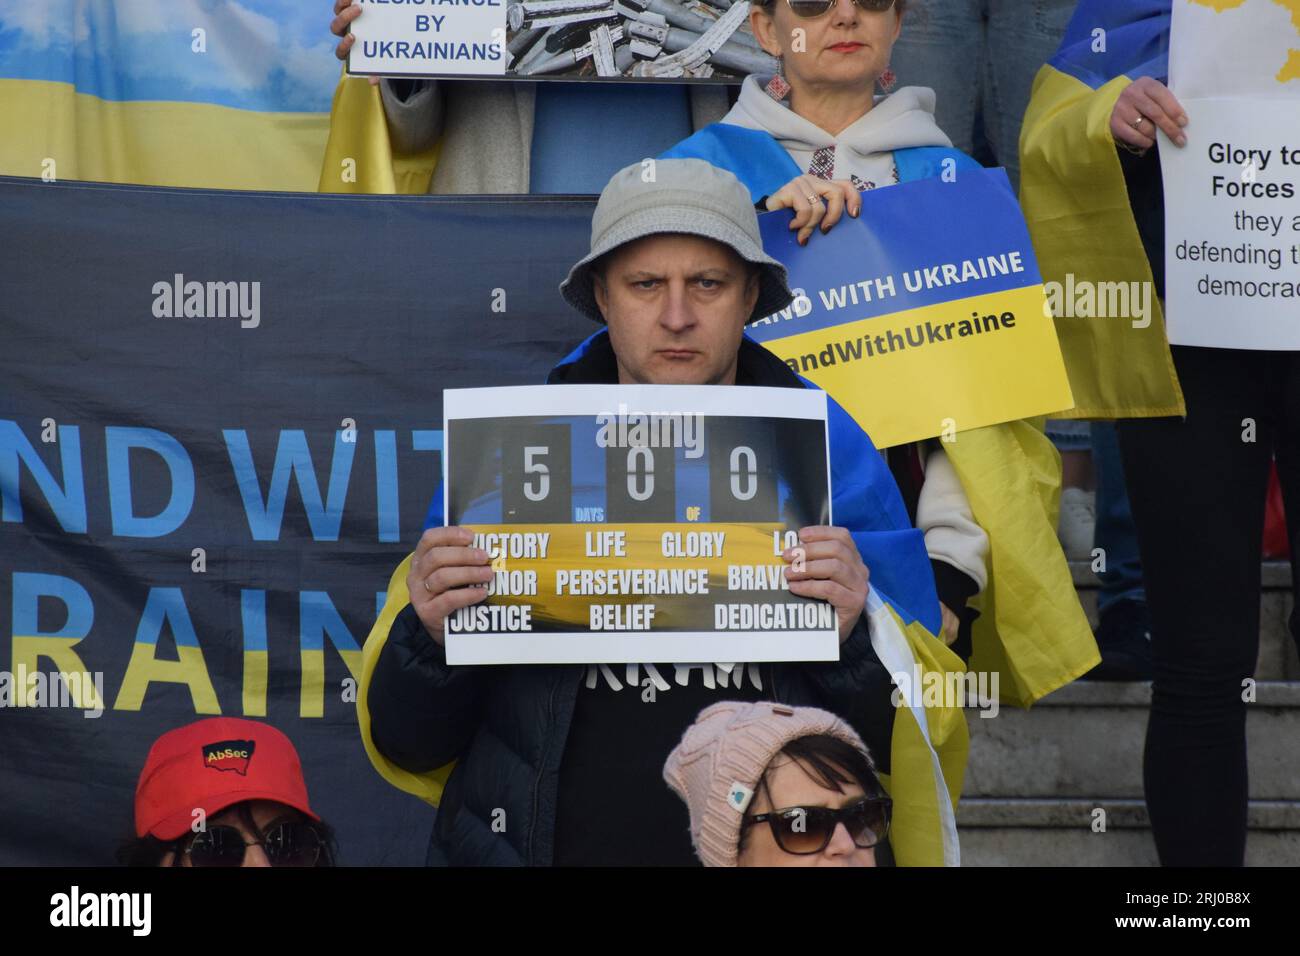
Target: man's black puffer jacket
{"type": "Point", "coordinates": [506, 726]}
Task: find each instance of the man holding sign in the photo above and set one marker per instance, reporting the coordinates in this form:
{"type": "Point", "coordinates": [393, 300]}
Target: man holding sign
{"type": "Point", "coordinates": [560, 764]}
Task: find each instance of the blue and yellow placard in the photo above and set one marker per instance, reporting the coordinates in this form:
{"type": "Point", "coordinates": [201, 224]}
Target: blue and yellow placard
{"type": "Point", "coordinates": [925, 315]}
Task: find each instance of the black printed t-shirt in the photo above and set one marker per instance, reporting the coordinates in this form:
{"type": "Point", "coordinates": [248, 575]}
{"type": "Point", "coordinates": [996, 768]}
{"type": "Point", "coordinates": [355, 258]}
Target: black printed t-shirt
{"type": "Point", "coordinates": [614, 807]}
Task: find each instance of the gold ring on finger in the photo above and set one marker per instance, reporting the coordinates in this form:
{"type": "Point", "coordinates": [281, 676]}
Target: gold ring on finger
{"type": "Point", "coordinates": [1137, 123]}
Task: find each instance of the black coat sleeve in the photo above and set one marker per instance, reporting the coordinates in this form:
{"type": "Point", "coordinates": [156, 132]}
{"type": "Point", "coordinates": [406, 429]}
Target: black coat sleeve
{"type": "Point", "coordinates": [956, 588]}
{"type": "Point", "coordinates": [858, 689]}
{"type": "Point", "coordinates": [423, 711]}
{"type": "Point", "coordinates": [1146, 194]}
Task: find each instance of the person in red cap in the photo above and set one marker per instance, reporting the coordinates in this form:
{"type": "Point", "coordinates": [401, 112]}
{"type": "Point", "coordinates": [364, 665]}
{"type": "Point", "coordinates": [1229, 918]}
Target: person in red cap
{"type": "Point", "coordinates": [225, 792]}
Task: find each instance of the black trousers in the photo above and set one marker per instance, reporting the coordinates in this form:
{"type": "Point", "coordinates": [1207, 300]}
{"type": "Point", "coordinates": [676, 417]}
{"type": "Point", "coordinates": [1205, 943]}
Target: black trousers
{"type": "Point", "coordinates": [1197, 487]}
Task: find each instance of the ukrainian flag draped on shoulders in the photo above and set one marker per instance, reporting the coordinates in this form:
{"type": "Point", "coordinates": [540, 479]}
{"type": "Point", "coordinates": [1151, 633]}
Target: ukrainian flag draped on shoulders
{"type": "Point", "coordinates": [930, 744]}
{"type": "Point", "coordinates": [1031, 630]}
{"type": "Point", "coordinates": [1076, 203]}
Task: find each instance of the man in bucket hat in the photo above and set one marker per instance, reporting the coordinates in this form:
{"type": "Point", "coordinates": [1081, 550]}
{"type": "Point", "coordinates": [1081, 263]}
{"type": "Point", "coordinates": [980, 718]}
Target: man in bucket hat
{"type": "Point", "coordinates": [561, 764]}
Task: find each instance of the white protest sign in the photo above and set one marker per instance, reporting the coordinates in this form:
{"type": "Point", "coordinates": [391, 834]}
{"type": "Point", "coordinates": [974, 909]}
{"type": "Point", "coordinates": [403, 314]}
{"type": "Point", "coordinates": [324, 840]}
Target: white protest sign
{"type": "Point", "coordinates": [637, 523]}
{"type": "Point", "coordinates": [610, 41]}
{"type": "Point", "coordinates": [423, 37]}
{"type": "Point", "coordinates": [1232, 194]}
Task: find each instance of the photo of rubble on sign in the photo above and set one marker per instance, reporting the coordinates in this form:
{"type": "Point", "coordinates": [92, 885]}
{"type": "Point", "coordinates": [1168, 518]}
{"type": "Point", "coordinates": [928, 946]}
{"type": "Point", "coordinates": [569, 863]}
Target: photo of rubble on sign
{"type": "Point", "coordinates": [672, 40]}
{"type": "Point", "coordinates": [637, 38]}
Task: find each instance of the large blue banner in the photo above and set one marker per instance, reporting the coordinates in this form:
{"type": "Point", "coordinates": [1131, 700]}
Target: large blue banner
{"type": "Point", "coordinates": [219, 433]}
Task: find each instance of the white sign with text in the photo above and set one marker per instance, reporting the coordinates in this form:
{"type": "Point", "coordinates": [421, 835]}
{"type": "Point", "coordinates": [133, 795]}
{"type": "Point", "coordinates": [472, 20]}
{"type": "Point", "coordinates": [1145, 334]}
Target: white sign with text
{"type": "Point", "coordinates": [1232, 194]}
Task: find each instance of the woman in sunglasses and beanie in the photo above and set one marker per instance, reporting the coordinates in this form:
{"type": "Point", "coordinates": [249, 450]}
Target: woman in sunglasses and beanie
{"type": "Point", "coordinates": [225, 792]}
{"type": "Point", "coordinates": [771, 785]}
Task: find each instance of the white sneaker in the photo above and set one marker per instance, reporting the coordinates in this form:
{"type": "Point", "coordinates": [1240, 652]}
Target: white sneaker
{"type": "Point", "coordinates": [1078, 522]}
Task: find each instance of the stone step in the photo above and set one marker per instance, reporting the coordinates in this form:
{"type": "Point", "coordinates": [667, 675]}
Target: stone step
{"type": "Point", "coordinates": [1085, 740]}
{"type": "Point", "coordinates": [1036, 778]}
{"type": "Point", "coordinates": [1034, 832]}
{"type": "Point", "coordinates": [1278, 659]}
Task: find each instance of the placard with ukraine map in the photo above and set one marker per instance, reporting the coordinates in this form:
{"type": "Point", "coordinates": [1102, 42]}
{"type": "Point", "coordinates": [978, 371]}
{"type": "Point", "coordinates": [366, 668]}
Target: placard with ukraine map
{"type": "Point", "coordinates": [1232, 194]}
{"type": "Point", "coordinates": [637, 523]}
{"type": "Point", "coordinates": [925, 316]}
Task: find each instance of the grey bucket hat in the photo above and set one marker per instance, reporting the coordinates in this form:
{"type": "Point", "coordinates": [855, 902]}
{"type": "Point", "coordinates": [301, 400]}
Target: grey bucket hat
{"type": "Point", "coordinates": [687, 196]}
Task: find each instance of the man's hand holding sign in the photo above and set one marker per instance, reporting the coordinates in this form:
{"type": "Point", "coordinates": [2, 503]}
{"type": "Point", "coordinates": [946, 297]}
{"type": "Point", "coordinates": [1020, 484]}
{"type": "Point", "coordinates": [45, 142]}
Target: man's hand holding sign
{"type": "Point", "coordinates": [446, 574]}
{"type": "Point", "coordinates": [832, 569]}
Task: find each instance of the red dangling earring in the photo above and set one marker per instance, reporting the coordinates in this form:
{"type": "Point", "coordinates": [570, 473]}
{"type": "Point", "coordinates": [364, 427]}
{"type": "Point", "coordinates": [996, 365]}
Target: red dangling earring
{"type": "Point", "coordinates": [888, 79]}
{"type": "Point", "coordinates": [777, 87]}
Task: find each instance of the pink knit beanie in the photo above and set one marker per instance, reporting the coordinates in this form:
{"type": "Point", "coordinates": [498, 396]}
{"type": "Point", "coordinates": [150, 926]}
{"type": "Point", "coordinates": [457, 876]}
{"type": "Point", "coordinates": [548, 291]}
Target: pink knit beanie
{"type": "Point", "coordinates": [722, 756]}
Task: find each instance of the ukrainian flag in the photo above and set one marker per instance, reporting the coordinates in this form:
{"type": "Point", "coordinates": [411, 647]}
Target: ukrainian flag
{"type": "Point", "coordinates": [359, 157]}
{"type": "Point", "coordinates": [224, 94]}
{"type": "Point", "coordinates": [1076, 204]}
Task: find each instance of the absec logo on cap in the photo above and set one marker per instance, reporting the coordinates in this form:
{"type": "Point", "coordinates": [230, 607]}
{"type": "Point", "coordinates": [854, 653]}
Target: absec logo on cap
{"type": "Point", "coordinates": [229, 755]}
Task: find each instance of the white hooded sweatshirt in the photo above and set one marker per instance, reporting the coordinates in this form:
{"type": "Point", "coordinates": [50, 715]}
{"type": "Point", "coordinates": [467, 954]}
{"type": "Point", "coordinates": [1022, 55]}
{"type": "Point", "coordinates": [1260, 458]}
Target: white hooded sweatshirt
{"type": "Point", "coordinates": [903, 119]}
{"type": "Point", "coordinates": [863, 154]}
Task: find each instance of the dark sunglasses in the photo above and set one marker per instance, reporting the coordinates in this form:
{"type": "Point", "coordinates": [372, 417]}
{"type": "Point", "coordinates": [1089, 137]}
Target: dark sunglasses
{"type": "Point", "coordinates": [285, 844]}
{"type": "Point", "coordinates": [811, 9]}
{"type": "Point", "coordinates": [807, 830]}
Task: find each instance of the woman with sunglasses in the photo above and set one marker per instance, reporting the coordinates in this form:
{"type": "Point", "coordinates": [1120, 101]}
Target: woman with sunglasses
{"type": "Point", "coordinates": [772, 785]}
{"type": "Point", "coordinates": [225, 792]}
{"type": "Point", "coordinates": [821, 107]}
{"type": "Point", "coordinates": [810, 139]}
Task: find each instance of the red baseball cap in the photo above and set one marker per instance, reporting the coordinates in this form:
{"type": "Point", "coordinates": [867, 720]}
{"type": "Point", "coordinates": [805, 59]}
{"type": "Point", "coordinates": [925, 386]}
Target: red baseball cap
{"type": "Point", "coordinates": [213, 764]}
